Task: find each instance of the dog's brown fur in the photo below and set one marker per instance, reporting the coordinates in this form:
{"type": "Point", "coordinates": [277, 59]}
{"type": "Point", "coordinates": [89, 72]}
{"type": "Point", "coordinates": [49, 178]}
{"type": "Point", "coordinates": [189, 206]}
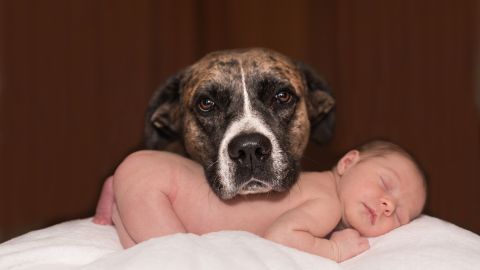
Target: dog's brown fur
{"type": "Point", "coordinates": [173, 117]}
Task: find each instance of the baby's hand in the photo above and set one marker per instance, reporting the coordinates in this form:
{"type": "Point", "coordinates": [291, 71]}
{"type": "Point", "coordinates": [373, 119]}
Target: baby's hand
{"type": "Point", "coordinates": [349, 243]}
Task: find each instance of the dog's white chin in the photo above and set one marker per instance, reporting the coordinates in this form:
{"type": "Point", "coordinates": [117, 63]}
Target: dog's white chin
{"type": "Point", "coordinates": [254, 186]}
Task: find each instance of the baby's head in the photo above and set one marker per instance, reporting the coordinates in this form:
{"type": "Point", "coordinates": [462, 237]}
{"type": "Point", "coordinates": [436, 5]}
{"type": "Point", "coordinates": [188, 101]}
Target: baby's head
{"type": "Point", "coordinates": [380, 187]}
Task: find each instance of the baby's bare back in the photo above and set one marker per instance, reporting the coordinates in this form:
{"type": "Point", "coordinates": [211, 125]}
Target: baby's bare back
{"type": "Point", "coordinates": [201, 211]}
{"type": "Point", "coordinates": [159, 193]}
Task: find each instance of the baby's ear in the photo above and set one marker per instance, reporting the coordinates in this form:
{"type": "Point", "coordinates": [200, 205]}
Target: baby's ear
{"type": "Point", "coordinates": [347, 161]}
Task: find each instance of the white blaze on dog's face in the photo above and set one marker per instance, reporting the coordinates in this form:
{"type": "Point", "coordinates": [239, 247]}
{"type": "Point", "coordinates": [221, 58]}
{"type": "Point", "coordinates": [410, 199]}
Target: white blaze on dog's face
{"type": "Point", "coordinates": [251, 128]}
{"type": "Point", "coordinates": [245, 119]}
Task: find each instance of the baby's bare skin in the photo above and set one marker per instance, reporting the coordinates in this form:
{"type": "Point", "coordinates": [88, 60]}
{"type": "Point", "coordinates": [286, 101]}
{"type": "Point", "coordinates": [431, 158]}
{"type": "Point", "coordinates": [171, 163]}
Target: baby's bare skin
{"type": "Point", "coordinates": [182, 201]}
{"type": "Point", "coordinates": [159, 193]}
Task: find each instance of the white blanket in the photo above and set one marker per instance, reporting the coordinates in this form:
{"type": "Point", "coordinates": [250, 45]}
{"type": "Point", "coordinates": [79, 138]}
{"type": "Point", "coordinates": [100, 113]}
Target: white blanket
{"type": "Point", "coordinates": [426, 243]}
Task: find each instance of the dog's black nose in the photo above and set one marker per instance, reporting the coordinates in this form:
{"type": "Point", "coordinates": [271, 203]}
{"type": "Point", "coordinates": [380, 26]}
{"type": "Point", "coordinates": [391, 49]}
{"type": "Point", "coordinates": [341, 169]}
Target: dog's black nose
{"type": "Point", "coordinates": [250, 149]}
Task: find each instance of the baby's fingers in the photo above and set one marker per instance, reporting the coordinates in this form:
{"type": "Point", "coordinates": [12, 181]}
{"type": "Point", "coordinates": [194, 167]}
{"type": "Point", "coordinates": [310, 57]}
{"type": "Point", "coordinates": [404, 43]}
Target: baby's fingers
{"type": "Point", "coordinates": [363, 244]}
{"type": "Point", "coordinates": [350, 246]}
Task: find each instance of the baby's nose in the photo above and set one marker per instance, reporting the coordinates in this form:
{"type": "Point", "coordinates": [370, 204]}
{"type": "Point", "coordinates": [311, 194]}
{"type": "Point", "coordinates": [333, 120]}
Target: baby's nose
{"type": "Point", "coordinates": [388, 206]}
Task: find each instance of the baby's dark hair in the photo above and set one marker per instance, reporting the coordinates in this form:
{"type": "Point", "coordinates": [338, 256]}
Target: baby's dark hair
{"type": "Point", "coordinates": [381, 148]}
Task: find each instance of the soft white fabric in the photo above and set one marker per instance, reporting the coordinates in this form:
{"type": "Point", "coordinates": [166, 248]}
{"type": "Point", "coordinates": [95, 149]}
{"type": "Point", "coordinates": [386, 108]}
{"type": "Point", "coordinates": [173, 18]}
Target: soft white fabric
{"type": "Point", "coordinates": [72, 243]}
{"type": "Point", "coordinates": [426, 243]}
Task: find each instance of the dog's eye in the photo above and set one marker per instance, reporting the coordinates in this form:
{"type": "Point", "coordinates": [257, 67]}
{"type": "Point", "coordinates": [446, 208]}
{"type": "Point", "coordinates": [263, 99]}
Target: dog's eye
{"type": "Point", "coordinates": [283, 97]}
{"type": "Point", "coordinates": [206, 104]}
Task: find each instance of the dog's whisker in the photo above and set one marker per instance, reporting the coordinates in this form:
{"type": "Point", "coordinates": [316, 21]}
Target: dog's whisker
{"type": "Point", "coordinates": [213, 163]}
{"type": "Point", "coordinates": [289, 193]}
{"type": "Point", "coordinates": [296, 186]}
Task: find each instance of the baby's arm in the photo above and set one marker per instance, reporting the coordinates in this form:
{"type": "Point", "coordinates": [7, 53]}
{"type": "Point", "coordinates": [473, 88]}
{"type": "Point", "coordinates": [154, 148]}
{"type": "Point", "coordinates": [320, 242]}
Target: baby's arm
{"type": "Point", "coordinates": [306, 226]}
{"type": "Point", "coordinates": [349, 243]}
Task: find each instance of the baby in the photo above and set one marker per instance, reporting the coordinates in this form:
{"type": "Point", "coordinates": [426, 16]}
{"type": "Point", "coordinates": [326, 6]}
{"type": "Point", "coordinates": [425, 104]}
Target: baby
{"type": "Point", "coordinates": [370, 191]}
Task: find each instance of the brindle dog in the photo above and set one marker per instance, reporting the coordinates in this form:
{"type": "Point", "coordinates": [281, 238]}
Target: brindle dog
{"type": "Point", "coordinates": [245, 116]}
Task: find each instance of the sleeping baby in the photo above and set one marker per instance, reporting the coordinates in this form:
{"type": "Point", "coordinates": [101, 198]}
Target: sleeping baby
{"type": "Point", "coordinates": [371, 191]}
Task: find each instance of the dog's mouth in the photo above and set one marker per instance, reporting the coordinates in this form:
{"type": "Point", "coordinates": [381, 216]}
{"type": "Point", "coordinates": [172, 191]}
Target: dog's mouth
{"type": "Point", "coordinates": [253, 186]}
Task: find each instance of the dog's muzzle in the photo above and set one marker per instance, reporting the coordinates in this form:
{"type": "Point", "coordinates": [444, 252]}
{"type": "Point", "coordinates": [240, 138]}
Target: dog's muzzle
{"type": "Point", "coordinates": [251, 153]}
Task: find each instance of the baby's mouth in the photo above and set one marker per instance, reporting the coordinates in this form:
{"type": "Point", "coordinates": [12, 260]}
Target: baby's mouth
{"type": "Point", "coordinates": [373, 215]}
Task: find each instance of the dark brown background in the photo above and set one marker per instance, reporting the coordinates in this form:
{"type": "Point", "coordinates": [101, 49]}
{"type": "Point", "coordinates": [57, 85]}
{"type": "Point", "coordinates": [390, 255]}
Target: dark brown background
{"type": "Point", "coordinates": [75, 78]}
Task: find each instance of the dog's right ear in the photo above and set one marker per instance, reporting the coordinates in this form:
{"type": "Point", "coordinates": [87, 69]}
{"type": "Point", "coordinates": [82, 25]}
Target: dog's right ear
{"type": "Point", "coordinates": [163, 118]}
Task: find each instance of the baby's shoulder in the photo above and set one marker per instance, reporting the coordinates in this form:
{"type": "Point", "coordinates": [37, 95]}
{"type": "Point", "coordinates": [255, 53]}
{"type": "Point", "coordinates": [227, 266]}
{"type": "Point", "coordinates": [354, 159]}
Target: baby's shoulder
{"type": "Point", "coordinates": [324, 204]}
{"type": "Point", "coordinates": [320, 191]}
{"type": "Point", "coordinates": [318, 184]}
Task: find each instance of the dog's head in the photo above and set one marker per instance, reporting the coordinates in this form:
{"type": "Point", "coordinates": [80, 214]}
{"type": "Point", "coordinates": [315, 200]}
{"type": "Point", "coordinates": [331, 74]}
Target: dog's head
{"type": "Point", "coordinates": [245, 115]}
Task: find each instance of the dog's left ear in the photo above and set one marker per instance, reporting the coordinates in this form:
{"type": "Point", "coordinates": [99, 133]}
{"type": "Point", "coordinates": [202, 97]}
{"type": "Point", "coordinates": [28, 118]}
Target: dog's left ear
{"type": "Point", "coordinates": [320, 105]}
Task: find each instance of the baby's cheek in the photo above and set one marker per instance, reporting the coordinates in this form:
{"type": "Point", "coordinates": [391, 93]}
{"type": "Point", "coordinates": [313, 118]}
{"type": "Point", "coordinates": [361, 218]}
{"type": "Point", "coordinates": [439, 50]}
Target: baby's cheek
{"type": "Point", "coordinates": [375, 230]}
{"type": "Point", "coordinates": [385, 228]}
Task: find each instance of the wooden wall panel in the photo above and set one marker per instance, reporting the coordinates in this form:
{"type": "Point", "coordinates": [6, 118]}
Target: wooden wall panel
{"type": "Point", "coordinates": [250, 23]}
{"type": "Point", "coordinates": [3, 206]}
{"type": "Point", "coordinates": [175, 36]}
{"type": "Point", "coordinates": [77, 78]}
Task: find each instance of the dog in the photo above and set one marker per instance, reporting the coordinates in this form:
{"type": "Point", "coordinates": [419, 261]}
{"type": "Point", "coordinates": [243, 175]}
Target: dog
{"type": "Point", "coordinates": [245, 115]}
